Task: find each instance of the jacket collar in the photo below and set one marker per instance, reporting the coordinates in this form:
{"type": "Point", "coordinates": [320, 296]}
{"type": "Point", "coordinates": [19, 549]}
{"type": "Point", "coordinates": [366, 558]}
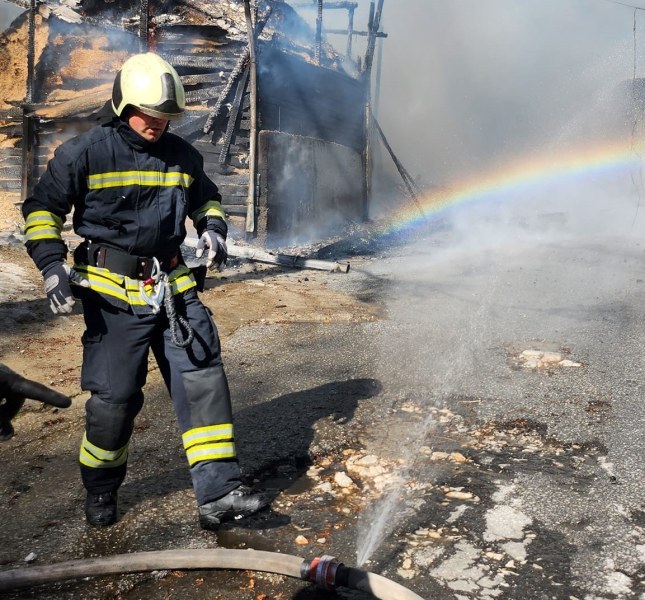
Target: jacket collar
{"type": "Point", "coordinates": [132, 138]}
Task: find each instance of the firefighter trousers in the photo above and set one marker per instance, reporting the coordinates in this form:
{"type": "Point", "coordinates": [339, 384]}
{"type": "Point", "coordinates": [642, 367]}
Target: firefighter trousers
{"type": "Point", "coordinates": [116, 347]}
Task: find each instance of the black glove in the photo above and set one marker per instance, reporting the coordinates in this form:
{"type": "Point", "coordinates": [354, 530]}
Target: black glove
{"type": "Point", "coordinates": [58, 277]}
{"type": "Point", "coordinates": [217, 252]}
{"type": "Point", "coordinates": [14, 389]}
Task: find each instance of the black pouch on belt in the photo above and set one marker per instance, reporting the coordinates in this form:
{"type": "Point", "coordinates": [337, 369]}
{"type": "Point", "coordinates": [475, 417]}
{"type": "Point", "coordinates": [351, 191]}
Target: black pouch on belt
{"type": "Point", "coordinates": [199, 273]}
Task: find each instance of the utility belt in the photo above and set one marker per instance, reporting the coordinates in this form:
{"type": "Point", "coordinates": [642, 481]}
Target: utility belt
{"type": "Point", "coordinates": [123, 263]}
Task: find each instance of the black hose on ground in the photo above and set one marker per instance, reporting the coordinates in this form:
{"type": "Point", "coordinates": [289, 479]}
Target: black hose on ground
{"type": "Point", "coordinates": [326, 571]}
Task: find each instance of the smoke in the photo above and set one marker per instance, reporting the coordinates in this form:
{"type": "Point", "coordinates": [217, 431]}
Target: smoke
{"type": "Point", "coordinates": [469, 84]}
{"type": "Point", "coordinates": [469, 89]}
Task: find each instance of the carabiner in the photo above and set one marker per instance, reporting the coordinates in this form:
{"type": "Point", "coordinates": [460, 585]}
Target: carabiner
{"type": "Point", "coordinates": [156, 280]}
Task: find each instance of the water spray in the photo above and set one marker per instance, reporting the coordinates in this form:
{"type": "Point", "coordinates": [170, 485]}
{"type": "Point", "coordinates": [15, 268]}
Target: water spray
{"type": "Point", "coordinates": [325, 571]}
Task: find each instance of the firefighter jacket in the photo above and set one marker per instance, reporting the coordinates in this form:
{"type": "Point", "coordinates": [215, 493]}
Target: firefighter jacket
{"type": "Point", "coordinates": [126, 193]}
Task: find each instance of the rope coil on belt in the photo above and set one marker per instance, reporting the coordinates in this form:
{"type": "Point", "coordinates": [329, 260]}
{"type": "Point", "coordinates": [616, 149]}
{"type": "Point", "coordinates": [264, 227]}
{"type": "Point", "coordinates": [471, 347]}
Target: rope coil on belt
{"type": "Point", "coordinates": [163, 294]}
{"type": "Point", "coordinates": [176, 322]}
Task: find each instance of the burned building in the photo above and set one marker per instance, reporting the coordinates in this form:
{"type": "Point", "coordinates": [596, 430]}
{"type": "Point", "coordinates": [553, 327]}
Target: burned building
{"type": "Point", "coordinates": [280, 117]}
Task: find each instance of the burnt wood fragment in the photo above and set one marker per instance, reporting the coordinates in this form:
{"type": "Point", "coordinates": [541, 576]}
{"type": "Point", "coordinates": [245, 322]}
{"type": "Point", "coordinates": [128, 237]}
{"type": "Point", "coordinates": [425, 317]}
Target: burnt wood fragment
{"type": "Point", "coordinates": [233, 115]}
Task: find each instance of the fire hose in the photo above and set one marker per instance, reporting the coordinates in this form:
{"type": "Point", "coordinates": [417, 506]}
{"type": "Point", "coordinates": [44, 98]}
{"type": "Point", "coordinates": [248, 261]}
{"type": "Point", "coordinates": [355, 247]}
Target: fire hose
{"type": "Point", "coordinates": [325, 571]}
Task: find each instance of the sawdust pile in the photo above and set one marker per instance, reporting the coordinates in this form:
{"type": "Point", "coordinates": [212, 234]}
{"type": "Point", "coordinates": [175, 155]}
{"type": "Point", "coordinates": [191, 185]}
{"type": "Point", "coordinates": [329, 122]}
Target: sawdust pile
{"type": "Point", "coordinates": [13, 58]}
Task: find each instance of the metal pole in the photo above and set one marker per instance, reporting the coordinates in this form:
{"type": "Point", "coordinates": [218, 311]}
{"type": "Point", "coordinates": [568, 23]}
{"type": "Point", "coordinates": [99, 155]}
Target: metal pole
{"type": "Point", "coordinates": [251, 223]}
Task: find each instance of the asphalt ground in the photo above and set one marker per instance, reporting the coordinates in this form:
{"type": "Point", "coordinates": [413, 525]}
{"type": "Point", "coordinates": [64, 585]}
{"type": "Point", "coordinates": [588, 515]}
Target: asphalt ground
{"type": "Point", "coordinates": [476, 473]}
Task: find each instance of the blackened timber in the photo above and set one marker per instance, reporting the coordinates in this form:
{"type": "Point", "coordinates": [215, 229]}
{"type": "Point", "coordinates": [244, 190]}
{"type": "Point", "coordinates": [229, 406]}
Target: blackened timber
{"type": "Point", "coordinates": [331, 5]}
{"type": "Point", "coordinates": [202, 78]}
{"type": "Point", "coordinates": [251, 216]}
{"type": "Point", "coordinates": [31, 44]}
{"type": "Point", "coordinates": [233, 114]}
{"type": "Point", "coordinates": [190, 33]}
{"type": "Point", "coordinates": [302, 99]}
{"type": "Point", "coordinates": [189, 125]}
{"type": "Point", "coordinates": [203, 94]}
{"type": "Point", "coordinates": [197, 62]}
{"type": "Point", "coordinates": [378, 34]}
{"type": "Point", "coordinates": [235, 73]}
{"type": "Point", "coordinates": [143, 26]}
{"type": "Point", "coordinates": [28, 140]}
{"type": "Point", "coordinates": [319, 20]}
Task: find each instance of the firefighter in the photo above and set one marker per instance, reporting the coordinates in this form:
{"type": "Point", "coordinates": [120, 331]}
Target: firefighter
{"type": "Point", "coordinates": [130, 184]}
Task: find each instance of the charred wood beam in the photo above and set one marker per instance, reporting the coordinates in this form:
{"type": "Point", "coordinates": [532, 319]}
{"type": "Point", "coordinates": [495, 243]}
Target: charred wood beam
{"type": "Point", "coordinates": [378, 34]}
{"type": "Point", "coordinates": [330, 5]}
{"type": "Point", "coordinates": [203, 78]}
{"type": "Point", "coordinates": [285, 260]}
{"type": "Point", "coordinates": [350, 32]}
{"type": "Point", "coordinates": [408, 181]}
{"type": "Point", "coordinates": [319, 20]}
{"type": "Point", "coordinates": [198, 62]}
{"type": "Point", "coordinates": [203, 94]}
{"type": "Point", "coordinates": [143, 26]}
{"type": "Point", "coordinates": [374, 25]}
{"type": "Point", "coordinates": [211, 33]}
{"type": "Point", "coordinates": [87, 103]}
{"type": "Point", "coordinates": [235, 73]}
{"type": "Point", "coordinates": [233, 114]}
{"type": "Point", "coordinates": [28, 140]}
{"type": "Point", "coordinates": [31, 44]}
{"type": "Point", "coordinates": [190, 126]}
{"type": "Point", "coordinates": [251, 217]}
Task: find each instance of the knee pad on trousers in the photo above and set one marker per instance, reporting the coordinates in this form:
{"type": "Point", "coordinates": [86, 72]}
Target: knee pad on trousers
{"type": "Point", "coordinates": [109, 425]}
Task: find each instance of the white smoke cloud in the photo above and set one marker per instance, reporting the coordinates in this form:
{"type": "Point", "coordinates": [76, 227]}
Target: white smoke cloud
{"type": "Point", "coordinates": [470, 83]}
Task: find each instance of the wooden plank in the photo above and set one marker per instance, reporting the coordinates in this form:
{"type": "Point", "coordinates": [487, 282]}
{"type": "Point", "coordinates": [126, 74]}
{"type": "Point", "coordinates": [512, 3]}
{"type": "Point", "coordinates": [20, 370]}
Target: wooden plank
{"type": "Point", "coordinates": [232, 190]}
{"type": "Point", "coordinates": [214, 77]}
{"type": "Point", "coordinates": [11, 185]}
{"type": "Point", "coordinates": [234, 209]}
{"type": "Point", "coordinates": [11, 152]}
{"type": "Point", "coordinates": [10, 171]}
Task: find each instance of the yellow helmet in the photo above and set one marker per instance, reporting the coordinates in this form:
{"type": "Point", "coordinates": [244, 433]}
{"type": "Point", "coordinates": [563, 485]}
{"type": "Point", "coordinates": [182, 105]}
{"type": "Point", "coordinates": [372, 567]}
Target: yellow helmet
{"type": "Point", "coordinates": [149, 83]}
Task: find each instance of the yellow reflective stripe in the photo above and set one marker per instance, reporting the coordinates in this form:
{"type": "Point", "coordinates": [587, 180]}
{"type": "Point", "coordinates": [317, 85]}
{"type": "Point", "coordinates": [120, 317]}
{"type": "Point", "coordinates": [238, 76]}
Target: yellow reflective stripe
{"type": "Point", "coordinates": [127, 289]}
{"type": "Point", "coordinates": [210, 433]}
{"type": "Point", "coordinates": [42, 225]}
{"type": "Point", "coordinates": [100, 181]}
{"type": "Point", "coordinates": [216, 451]}
{"type": "Point", "coordinates": [95, 457]}
{"type": "Point", "coordinates": [182, 283]}
{"type": "Point", "coordinates": [43, 216]}
{"type": "Point", "coordinates": [103, 281]}
{"type": "Point", "coordinates": [212, 208]}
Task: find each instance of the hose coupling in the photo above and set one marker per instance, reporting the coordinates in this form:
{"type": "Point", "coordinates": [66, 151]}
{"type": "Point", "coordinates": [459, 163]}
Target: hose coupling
{"type": "Point", "coordinates": [321, 571]}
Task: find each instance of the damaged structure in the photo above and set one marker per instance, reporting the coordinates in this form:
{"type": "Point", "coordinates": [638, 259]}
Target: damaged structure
{"type": "Point", "coordinates": [280, 117]}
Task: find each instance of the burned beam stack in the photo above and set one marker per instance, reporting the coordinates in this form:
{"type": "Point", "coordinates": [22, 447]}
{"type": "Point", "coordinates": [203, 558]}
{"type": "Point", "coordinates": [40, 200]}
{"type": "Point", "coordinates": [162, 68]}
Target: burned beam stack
{"type": "Point", "coordinates": [309, 113]}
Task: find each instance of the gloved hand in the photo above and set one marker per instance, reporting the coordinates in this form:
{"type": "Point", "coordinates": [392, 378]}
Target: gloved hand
{"type": "Point", "coordinates": [58, 277]}
{"type": "Point", "coordinates": [14, 389]}
{"type": "Point", "coordinates": [217, 253]}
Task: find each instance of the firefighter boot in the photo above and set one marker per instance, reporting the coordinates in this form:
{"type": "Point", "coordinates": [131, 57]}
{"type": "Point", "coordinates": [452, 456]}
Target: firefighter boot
{"type": "Point", "coordinates": [101, 509]}
{"type": "Point", "coordinates": [241, 502]}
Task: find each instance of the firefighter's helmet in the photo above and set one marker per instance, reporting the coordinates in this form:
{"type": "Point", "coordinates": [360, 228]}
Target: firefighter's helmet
{"type": "Point", "coordinates": [149, 83]}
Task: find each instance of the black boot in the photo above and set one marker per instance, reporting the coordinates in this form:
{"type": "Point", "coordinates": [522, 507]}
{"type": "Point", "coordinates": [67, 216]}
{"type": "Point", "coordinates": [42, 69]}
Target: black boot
{"type": "Point", "coordinates": [101, 509]}
{"type": "Point", "coordinates": [241, 502]}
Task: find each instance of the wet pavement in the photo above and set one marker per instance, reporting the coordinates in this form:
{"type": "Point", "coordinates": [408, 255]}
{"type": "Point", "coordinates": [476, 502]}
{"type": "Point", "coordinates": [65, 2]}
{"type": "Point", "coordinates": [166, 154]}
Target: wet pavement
{"type": "Point", "coordinates": [484, 439]}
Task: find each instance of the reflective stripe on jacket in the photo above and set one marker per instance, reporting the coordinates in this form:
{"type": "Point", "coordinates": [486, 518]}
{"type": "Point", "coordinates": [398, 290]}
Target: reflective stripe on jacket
{"type": "Point", "coordinates": [124, 192]}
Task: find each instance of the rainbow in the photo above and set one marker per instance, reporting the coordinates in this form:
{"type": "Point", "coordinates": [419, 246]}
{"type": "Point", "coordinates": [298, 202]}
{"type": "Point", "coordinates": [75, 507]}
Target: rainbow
{"type": "Point", "coordinates": [618, 157]}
